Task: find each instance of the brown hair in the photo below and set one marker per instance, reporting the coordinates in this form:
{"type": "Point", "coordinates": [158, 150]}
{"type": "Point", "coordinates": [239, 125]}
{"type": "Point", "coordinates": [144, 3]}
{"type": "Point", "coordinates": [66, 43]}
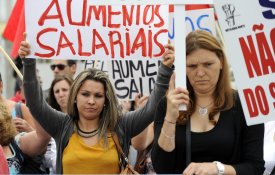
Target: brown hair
{"type": "Point", "coordinates": [7, 128]}
{"type": "Point", "coordinates": [52, 100]}
{"type": "Point", "coordinates": [223, 94]}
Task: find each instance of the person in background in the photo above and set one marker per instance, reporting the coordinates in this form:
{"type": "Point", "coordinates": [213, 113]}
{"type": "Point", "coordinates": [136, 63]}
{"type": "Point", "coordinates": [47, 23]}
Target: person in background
{"type": "Point", "coordinates": [58, 99]}
{"type": "Point", "coordinates": [19, 95]}
{"type": "Point", "coordinates": [84, 135]}
{"type": "Point", "coordinates": [23, 123]}
{"type": "Point", "coordinates": [4, 168]}
{"type": "Point", "coordinates": [30, 144]}
{"type": "Point", "coordinates": [221, 142]}
{"type": "Point", "coordinates": [131, 105]}
{"type": "Point", "coordinates": [59, 92]}
{"type": "Point", "coordinates": [61, 67]}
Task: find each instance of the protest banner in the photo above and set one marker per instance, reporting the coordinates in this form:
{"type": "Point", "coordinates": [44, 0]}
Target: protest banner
{"type": "Point", "coordinates": [143, 73]}
{"type": "Point", "coordinates": [129, 77]}
{"type": "Point", "coordinates": [249, 36]}
{"type": "Point", "coordinates": [56, 29]}
{"type": "Point", "coordinates": [132, 2]}
{"type": "Point", "coordinates": [202, 19]}
{"type": "Point", "coordinates": [64, 29]}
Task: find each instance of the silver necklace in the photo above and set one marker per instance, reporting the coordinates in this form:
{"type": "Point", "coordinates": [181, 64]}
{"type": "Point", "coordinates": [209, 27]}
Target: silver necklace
{"type": "Point", "coordinates": [86, 134]}
{"type": "Point", "coordinates": [203, 110]}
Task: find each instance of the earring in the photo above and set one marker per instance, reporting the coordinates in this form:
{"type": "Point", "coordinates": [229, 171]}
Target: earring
{"type": "Point", "coordinates": [75, 101]}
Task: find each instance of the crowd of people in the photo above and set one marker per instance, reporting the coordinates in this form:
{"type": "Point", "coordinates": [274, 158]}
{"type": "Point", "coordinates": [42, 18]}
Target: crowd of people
{"type": "Point", "coordinates": [72, 124]}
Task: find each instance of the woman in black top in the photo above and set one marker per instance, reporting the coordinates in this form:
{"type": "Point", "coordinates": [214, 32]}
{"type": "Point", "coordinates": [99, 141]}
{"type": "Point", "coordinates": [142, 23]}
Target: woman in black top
{"type": "Point", "coordinates": [221, 142]}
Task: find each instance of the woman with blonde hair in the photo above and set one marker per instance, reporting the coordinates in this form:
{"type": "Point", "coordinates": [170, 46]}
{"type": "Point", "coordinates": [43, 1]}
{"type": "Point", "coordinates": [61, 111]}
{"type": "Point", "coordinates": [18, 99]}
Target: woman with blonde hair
{"type": "Point", "coordinates": [84, 135]}
{"type": "Point", "coordinates": [31, 144]}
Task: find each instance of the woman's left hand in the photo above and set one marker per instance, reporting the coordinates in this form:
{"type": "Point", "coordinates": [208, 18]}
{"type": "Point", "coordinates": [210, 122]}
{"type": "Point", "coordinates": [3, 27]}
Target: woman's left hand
{"type": "Point", "coordinates": [206, 168]}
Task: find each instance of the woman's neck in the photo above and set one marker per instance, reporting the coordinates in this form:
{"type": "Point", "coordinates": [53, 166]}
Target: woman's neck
{"type": "Point", "coordinates": [88, 125]}
{"type": "Point", "coordinates": [204, 99]}
{"type": "Point", "coordinates": [64, 109]}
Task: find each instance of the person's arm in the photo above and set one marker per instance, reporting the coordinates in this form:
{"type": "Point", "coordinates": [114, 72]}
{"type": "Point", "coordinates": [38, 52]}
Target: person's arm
{"type": "Point", "coordinates": [252, 162]}
{"type": "Point", "coordinates": [163, 162]}
{"type": "Point", "coordinates": [50, 119]}
{"type": "Point", "coordinates": [252, 145]}
{"type": "Point", "coordinates": [35, 142]}
{"type": "Point", "coordinates": [27, 116]}
{"type": "Point", "coordinates": [136, 121]}
{"type": "Point", "coordinates": [175, 97]}
{"type": "Point", "coordinates": [144, 139]}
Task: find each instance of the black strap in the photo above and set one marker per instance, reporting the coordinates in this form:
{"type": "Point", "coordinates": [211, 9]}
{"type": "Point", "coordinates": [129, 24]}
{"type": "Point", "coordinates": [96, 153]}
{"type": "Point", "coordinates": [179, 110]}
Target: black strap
{"type": "Point", "coordinates": [188, 143]}
{"type": "Point", "coordinates": [18, 110]}
{"type": "Point", "coordinates": [18, 153]}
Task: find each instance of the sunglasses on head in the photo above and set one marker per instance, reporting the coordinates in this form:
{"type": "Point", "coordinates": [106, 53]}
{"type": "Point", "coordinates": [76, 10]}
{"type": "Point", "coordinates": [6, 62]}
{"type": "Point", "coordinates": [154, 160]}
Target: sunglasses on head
{"type": "Point", "coordinates": [59, 66]}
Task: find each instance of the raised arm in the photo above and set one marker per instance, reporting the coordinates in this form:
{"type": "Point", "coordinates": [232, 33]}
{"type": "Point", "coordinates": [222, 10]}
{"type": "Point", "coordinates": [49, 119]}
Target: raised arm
{"type": "Point", "coordinates": [137, 121]}
{"type": "Point", "coordinates": [50, 119]}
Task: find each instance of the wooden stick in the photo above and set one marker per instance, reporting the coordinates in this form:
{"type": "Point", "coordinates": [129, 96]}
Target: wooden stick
{"type": "Point", "coordinates": [12, 63]}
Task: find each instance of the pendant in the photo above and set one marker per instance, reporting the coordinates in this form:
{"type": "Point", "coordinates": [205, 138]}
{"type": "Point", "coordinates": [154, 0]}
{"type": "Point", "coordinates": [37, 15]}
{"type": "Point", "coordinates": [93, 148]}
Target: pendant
{"type": "Point", "coordinates": [203, 111]}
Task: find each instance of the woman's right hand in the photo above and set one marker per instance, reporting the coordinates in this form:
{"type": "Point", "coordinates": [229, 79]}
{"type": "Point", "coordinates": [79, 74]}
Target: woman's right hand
{"type": "Point", "coordinates": [169, 55]}
{"type": "Point", "coordinates": [175, 97]}
{"type": "Point", "coordinates": [24, 49]}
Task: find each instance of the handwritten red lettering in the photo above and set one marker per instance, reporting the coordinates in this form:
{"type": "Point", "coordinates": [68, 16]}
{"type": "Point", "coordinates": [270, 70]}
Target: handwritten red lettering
{"type": "Point", "coordinates": [80, 45]}
{"type": "Point", "coordinates": [116, 42]}
{"type": "Point", "coordinates": [46, 16]}
{"type": "Point", "coordinates": [96, 36]}
{"type": "Point", "coordinates": [112, 13]}
{"type": "Point", "coordinates": [64, 44]}
{"type": "Point", "coordinates": [69, 10]}
{"type": "Point", "coordinates": [127, 19]}
{"type": "Point", "coordinates": [43, 46]}
{"type": "Point", "coordinates": [100, 10]}
{"type": "Point", "coordinates": [140, 41]}
{"type": "Point", "coordinates": [162, 49]}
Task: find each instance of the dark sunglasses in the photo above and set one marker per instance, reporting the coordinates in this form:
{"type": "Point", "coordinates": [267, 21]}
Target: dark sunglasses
{"type": "Point", "coordinates": [59, 66]}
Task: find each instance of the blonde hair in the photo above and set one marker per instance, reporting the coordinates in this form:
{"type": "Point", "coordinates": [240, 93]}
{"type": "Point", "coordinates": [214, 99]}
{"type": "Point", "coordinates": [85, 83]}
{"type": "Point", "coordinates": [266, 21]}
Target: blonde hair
{"type": "Point", "coordinates": [110, 113]}
{"type": "Point", "coordinates": [223, 94]}
{"type": "Point", "coordinates": [7, 128]}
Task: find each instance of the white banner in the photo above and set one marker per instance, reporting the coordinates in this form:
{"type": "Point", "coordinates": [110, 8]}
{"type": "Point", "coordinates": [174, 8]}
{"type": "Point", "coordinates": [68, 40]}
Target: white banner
{"type": "Point", "coordinates": [249, 34]}
{"type": "Point", "coordinates": [144, 73]}
{"type": "Point", "coordinates": [64, 29]}
{"type": "Point", "coordinates": [143, 2]}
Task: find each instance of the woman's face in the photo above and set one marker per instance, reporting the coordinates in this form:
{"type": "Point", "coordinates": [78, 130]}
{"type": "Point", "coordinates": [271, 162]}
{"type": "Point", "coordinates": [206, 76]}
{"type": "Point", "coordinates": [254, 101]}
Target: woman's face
{"type": "Point", "coordinates": [203, 70]}
{"type": "Point", "coordinates": [90, 99]}
{"type": "Point", "coordinates": [61, 92]}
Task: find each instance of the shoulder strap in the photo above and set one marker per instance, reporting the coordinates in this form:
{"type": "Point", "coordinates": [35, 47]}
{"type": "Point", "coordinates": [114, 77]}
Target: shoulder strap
{"type": "Point", "coordinates": [18, 153]}
{"type": "Point", "coordinates": [18, 110]}
{"type": "Point", "coordinates": [115, 138]}
{"type": "Point", "coordinates": [188, 142]}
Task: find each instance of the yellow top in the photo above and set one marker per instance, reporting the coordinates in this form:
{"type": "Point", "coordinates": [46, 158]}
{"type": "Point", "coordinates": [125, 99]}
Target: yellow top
{"type": "Point", "coordinates": [78, 158]}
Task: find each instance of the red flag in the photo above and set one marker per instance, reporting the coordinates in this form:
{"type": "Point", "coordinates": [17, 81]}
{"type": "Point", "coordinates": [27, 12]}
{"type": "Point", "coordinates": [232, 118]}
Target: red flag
{"type": "Point", "coordinates": [15, 27]}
